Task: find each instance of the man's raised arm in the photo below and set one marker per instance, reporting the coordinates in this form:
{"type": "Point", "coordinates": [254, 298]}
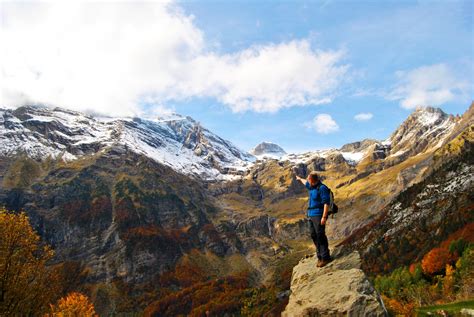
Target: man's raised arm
{"type": "Point", "coordinates": [301, 179]}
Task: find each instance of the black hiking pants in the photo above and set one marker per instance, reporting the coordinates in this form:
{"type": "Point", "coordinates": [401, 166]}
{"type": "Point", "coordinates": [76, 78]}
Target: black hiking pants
{"type": "Point", "coordinates": [318, 234]}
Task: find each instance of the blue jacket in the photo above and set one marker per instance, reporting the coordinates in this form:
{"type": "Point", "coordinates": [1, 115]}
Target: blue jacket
{"type": "Point", "coordinates": [317, 198]}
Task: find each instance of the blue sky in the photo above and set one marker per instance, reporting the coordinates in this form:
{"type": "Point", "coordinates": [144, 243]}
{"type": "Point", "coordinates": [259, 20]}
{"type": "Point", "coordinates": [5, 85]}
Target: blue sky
{"type": "Point", "coordinates": [295, 73]}
{"type": "Point", "coordinates": [379, 38]}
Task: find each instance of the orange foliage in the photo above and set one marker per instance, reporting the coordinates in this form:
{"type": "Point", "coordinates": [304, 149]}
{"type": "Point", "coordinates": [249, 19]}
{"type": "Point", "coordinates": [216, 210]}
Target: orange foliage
{"type": "Point", "coordinates": [217, 296]}
{"type": "Point", "coordinates": [153, 231]}
{"type": "Point", "coordinates": [188, 274]}
{"type": "Point", "coordinates": [436, 260]}
{"type": "Point", "coordinates": [27, 284]}
{"type": "Point", "coordinates": [144, 231]}
{"type": "Point", "coordinates": [448, 281]}
{"type": "Point", "coordinates": [405, 309]}
{"type": "Point", "coordinates": [74, 304]}
{"type": "Point", "coordinates": [466, 233]}
{"type": "Point", "coordinates": [184, 274]}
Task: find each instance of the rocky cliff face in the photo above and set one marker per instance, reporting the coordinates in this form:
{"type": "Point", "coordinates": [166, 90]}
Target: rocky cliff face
{"type": "Point", "coordinates": [339, 289]}
{"type": "Point", "coordinates": [119, 213]}
{"type": "Point", "coordinates": [123, 214]}
{"type": "Point", "coordinates": [424, 214]}
{"type": "Point", "coordinates": [116, 196]}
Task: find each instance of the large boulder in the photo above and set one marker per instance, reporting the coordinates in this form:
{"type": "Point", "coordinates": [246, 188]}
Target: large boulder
{"type": "Point", "coordinates": [340, 288]}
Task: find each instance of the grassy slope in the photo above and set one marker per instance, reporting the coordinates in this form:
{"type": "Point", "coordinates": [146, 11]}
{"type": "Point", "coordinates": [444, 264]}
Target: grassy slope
{"type": "Point", "coordinates": [357, 201]}
{"type": "Point", "coordinates": [449, 308]}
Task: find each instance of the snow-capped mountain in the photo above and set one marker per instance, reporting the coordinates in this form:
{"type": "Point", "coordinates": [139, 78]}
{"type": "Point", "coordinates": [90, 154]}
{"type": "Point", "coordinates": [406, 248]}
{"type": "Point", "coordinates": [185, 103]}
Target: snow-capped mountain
{"type": "Point", "coordinates": [268, 150]}
{"type": "Point", "coordinates": [183, 144]}
{"type": "Point", "coordinates": [119, 213]}
{"type": "Point", "coordinates": [426, 128]}
{"type": "Point", "coordinates": [177, 141]}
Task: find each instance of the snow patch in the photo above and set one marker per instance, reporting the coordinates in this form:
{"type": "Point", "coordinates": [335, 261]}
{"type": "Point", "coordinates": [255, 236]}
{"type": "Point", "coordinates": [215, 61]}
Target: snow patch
{"type": "Point", "coordinates": [427, 118]}
{"type": "Point", "coordinates": [353, 156]}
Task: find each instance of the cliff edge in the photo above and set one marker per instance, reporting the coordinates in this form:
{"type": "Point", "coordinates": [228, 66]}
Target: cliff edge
{"type": "Point", "coordinates": [340, 288]}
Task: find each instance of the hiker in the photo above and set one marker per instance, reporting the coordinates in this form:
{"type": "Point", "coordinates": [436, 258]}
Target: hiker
{"type": "Point", "coordinates": [317, 214]}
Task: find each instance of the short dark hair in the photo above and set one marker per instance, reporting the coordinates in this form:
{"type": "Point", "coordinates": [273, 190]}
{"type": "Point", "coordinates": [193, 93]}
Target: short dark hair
{"type": "Point", "coordinates": [314, 176]}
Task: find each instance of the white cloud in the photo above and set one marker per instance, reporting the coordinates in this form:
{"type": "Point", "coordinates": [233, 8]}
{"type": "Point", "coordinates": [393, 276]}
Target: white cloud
{"type": "Point", "coordinates": [110, 57]}
{"type": "Point", "coordinates": [363, 116]}
{"type": "Point", "coordinates": [268, 78]}
{"type": "Point", "coordinates": [431, 85]}
{"type": "Point", "coordinates": [323, 123]}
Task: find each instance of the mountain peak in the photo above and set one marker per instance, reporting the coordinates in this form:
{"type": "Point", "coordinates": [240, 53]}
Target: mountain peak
{"type": "Point", "coordinates": [267, 149]}
{"type": "Point", "coordinates": [428, 109]}
{"type": "Point", "coordinates": [171, 116]}
{"type": "Point", "coordinates": [427, 115]}
{"type": "Point", "coordinates": [425, 128]}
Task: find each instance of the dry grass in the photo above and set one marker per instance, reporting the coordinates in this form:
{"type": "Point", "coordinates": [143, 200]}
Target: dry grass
{"type": "Point", "coordinates": [215, 265]}
{"type": "Point", "coordinates": [381, 183]}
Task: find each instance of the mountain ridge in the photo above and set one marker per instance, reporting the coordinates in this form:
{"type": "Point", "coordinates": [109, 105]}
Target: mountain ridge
{"type": "Point", "coordinates": [431, 210]}
{"type": "Point", "coordinates": [179, 142]}
{"type": "Point", "coordinates": [126, 216]}
{"type": "Point", "coordinates": [182, 143]}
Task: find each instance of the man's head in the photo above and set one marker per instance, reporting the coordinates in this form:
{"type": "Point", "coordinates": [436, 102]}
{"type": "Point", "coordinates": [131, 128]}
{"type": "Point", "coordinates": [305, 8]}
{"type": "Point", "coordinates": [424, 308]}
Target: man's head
{"type": "Point", "coordinates": [313, 178]}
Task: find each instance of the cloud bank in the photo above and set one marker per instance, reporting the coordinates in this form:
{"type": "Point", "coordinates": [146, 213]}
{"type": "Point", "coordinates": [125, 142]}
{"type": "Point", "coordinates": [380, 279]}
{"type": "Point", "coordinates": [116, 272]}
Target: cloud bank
{"type": "Point", "coordinates": [112, 58]}
{"type": "Point", "coordinates": [432, 85]}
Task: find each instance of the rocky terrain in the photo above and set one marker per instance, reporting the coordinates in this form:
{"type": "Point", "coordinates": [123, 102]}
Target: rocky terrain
{"type": "Point", "coordinates": [129, 199]}
{"type": "Point", "coordinates": [340, 288]}
{"type": "Point", "coordinates": [424, 214]}
{"type": "Point", "coordinates": [364, 176]}
{"type": "Point", "coordinates": [420, 217]}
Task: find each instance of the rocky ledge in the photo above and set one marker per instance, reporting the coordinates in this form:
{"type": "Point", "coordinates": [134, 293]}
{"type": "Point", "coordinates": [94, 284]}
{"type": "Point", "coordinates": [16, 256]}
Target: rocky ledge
{"type": "Point", "coordinates": [340, 288]}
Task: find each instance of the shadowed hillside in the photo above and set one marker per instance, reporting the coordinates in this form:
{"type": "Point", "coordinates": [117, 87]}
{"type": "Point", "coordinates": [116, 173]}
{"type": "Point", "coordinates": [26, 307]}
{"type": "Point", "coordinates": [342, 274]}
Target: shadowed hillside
{"type": "Point", "coordinates": [143, 235]}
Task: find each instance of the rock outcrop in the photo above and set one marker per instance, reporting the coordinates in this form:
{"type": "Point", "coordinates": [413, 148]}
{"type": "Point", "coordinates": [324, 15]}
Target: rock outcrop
{"type": "Point", "coordinates": [268, 149]}
{"type": "Point", "coordinates": [340, 288]}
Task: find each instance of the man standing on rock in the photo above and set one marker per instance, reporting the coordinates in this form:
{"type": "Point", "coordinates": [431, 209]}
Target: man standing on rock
{"type": "Point", "coordinates": [317, 214]}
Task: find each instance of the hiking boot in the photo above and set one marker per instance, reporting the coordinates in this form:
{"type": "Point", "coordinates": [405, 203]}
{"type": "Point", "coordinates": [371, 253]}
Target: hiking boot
{"type": "Point", "coordinates": [323, 262]}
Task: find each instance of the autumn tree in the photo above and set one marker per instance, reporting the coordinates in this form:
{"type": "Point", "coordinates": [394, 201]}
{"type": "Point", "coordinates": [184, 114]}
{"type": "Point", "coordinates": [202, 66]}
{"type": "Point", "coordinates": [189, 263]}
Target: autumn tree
{"type": "Point", "coordinates": [27, 285]}
{"type": "Point", "coordinates": [448, 282]}
{"type": "Point", "coordinates": [436, 260]}
{"type": "Point", "coordinates": [73, 305]}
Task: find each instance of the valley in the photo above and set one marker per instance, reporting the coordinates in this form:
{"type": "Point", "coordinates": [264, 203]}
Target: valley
{"type": "Point", "coordinates": [146, 209]}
